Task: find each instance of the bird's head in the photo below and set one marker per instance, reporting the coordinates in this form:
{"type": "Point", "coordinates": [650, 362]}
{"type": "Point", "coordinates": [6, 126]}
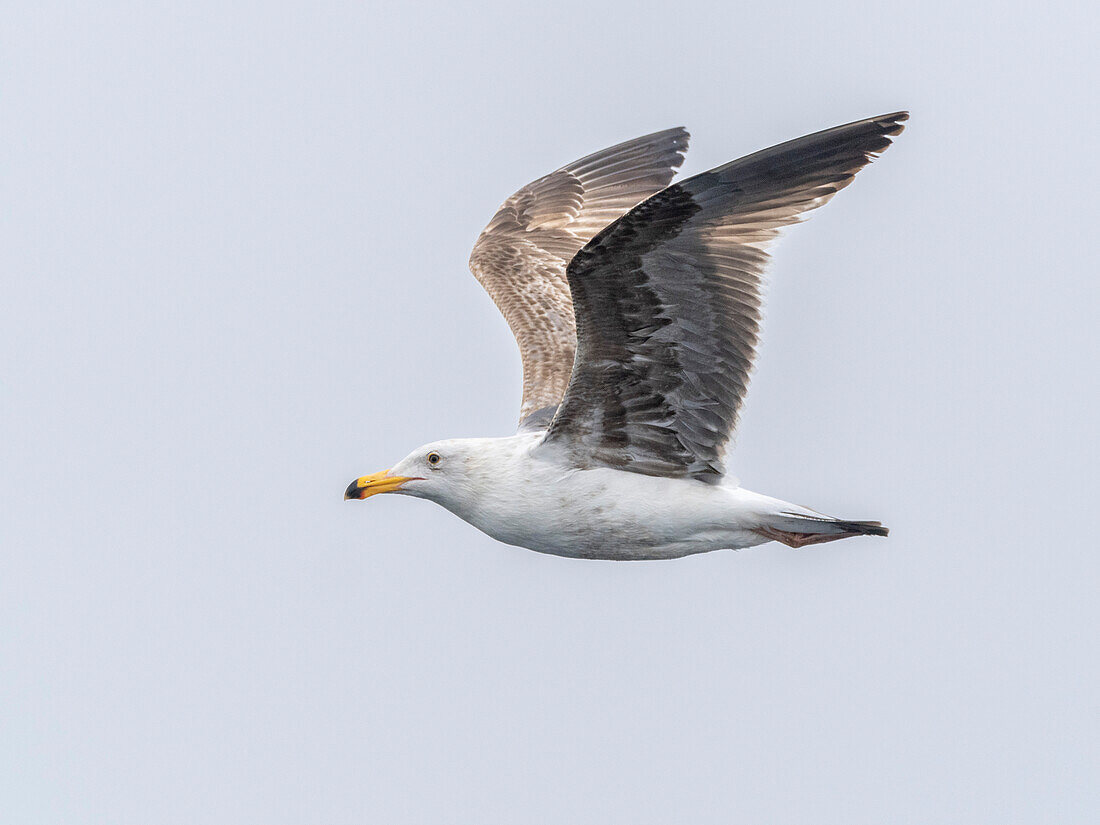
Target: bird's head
{"type": "Point", "coordinates": [436, 471]}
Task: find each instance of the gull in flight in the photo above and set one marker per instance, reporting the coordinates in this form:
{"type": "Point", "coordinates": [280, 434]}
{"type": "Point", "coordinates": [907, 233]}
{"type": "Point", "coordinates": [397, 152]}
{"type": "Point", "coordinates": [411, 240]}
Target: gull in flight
{"type": "Point", "coordinates": [636, 306]}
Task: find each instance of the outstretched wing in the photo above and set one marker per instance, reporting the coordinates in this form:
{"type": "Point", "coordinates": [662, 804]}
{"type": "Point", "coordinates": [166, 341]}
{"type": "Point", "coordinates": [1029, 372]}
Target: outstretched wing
{"type": "Point", "coordinates": [667, 304]}
{"type": "Point", "coordinates": [521, 256]}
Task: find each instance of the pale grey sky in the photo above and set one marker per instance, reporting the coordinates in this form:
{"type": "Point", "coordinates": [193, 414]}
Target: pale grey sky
{"type": "Point", "coordinates": [234, 242]}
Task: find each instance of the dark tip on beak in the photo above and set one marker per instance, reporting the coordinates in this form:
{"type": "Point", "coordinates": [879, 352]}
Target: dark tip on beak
{"type": "Point", "coordinates": [353, 491]}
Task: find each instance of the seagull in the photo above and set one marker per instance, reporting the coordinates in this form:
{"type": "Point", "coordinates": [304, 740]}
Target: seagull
{"type": "Point", "coordinates": [636, 307]}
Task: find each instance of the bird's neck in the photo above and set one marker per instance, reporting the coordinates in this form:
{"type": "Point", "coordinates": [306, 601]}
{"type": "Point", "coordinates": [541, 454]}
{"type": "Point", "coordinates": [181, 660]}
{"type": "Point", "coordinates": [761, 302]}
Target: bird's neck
{"type": "Point", "coordinates": [496, 471]}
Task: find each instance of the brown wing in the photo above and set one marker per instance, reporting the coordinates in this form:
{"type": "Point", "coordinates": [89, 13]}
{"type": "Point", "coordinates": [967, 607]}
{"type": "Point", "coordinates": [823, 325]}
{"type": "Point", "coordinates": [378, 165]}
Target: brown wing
{"type": "Point", "coordinates": [521, 256]}
{"type": "Point", "coordinates": [668, 305]}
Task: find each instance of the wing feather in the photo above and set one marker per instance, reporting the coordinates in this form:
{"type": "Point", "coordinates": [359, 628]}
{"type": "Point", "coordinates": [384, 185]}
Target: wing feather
{"type": "Point", "coordinates": [667, 304]}
{"type": "Point", "coordinates": [521, 256]}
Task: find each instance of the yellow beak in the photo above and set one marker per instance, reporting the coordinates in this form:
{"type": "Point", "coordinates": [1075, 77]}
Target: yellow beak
{"type": "Point", "coordinates": [382, 482]}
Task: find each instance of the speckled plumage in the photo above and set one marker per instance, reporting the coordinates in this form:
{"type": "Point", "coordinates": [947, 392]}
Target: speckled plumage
{"type": "Point", "coordinates": [520, 257]}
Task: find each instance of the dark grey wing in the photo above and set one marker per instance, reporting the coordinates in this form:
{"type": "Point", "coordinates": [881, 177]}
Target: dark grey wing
{"type": "Point", "coordinates": [521, 256]}
{"type": "Point", "coordinates": [667, 303]}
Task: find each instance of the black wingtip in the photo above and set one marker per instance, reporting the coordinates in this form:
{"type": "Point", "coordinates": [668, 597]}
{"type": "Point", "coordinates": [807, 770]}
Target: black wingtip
{"type": "Point", "coordinates": [893, 125]}
{"type": "Point", "coordinates": [679, 144]}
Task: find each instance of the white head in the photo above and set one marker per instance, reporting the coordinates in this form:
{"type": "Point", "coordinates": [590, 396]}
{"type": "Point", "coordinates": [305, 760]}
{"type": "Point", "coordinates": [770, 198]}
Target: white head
{"type": "Point", "coordinates": [439, 471]}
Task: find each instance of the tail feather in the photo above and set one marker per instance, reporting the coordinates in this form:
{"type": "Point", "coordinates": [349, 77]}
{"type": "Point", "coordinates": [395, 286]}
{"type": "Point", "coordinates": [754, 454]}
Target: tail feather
{"type": "Point", "coordinates": [864, 528]}
{"type": "Point", "coordinates": [798, 530]}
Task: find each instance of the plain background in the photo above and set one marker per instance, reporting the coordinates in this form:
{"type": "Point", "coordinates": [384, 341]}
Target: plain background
{"type": "Point", "coordinates": [233, 244]}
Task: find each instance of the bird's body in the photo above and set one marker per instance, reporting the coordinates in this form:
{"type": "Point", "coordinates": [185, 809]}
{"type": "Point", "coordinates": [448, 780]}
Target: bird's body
{"type": "Point", "coordinates": [518, 496]}
{"type": "Point", "coordinates": [636, 306]}
{"type": "Point", "coordinates": [511, 490]}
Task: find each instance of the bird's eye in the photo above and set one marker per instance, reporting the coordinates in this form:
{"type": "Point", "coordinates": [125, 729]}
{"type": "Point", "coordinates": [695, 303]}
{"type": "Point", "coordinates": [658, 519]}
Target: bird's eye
{"type": "Point", "coordinates": [434, 459]}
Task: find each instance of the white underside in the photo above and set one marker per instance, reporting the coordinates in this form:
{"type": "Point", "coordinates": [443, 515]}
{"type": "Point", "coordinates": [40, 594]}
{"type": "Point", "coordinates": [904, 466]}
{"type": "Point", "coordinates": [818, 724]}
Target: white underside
{"type": "Point", "coordinates": [525, 497]}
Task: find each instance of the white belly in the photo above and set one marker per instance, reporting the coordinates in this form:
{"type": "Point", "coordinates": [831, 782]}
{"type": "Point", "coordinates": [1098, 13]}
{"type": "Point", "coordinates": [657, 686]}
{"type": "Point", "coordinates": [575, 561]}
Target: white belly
{"type": "Point", "coordinates": [611, 514]}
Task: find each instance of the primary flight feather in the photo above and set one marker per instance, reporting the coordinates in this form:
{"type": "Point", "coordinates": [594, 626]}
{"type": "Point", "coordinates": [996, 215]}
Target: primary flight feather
{"type": "Point", "coordinates": [636, 307]}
